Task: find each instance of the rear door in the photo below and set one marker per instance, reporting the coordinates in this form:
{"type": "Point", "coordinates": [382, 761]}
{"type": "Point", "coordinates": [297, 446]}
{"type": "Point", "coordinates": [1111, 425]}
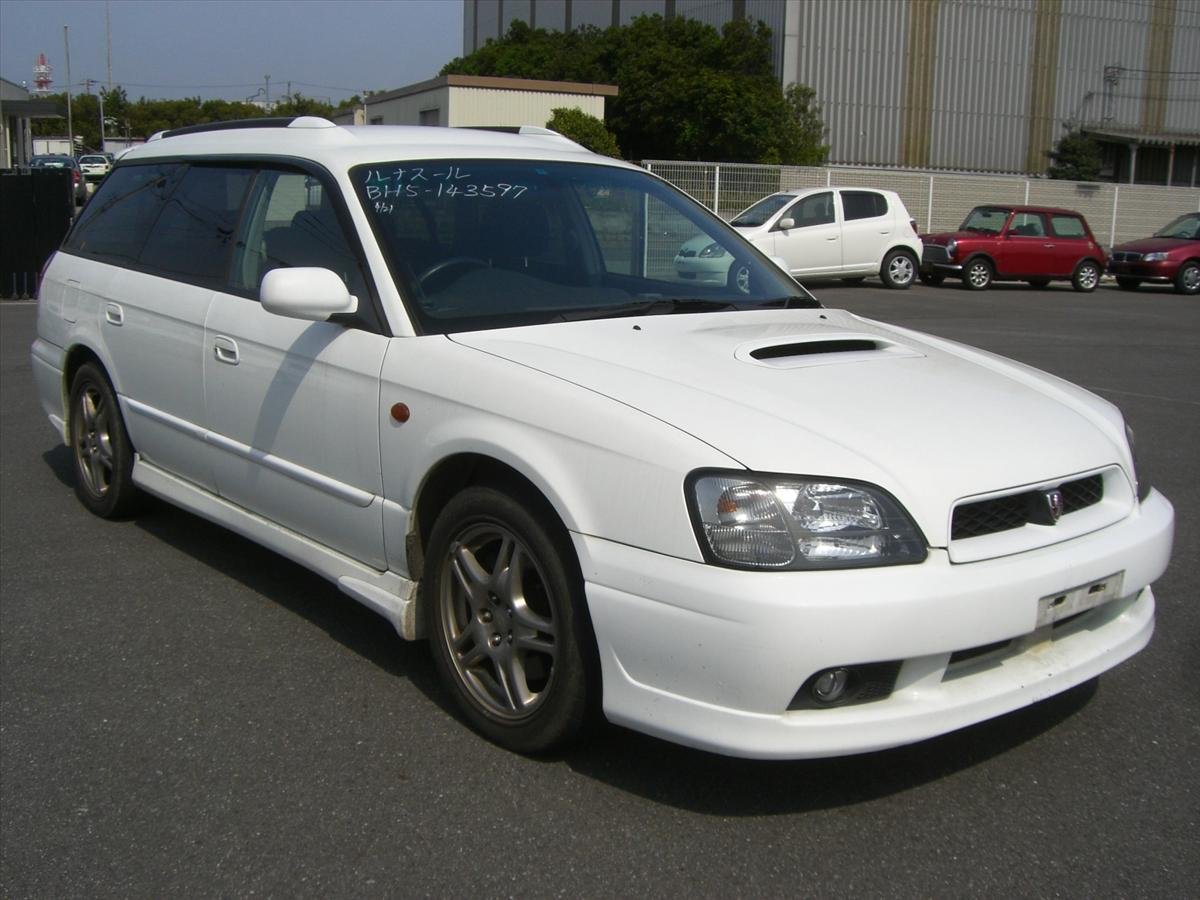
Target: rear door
{"type": "Point", "coordinates": [867, 230]}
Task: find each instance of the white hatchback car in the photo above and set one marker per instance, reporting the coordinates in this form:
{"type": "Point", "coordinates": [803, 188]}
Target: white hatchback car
{"type": "Point", "coordinates": [458, 374]}
{"type": "Point", "coordinates": [832, 232]}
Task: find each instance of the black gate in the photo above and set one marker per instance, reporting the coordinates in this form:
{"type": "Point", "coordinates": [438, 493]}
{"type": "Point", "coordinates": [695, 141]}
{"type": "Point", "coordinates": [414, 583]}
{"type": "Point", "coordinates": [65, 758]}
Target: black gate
{"type": "Point", "coordinates": [35, 213]}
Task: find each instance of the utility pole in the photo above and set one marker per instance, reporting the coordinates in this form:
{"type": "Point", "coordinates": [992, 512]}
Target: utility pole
{"type": "Point", "coordinates": [267, 102]}
{"type": "Point", "coordinates": [70, 121]}
{"type": "Point", "coordinates": [108, 41]}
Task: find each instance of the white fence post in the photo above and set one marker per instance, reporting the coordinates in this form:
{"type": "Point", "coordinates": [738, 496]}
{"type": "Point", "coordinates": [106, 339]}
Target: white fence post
{"type": "Point", "coordinates": [929, 215]}
{"type": "Point", "coordinates": [716, 190]}
{"type": "Point", "coordinates": [1112, 226]}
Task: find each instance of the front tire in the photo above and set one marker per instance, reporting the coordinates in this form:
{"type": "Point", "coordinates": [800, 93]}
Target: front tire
{"type": "Point", "coordinates": [977, 276]}
{"type": "Point", "coordinates": [1187, 280]}
{"type": "Point", "coordinates": [898, 270]}
{"type": "Point", "coordinates": [1086, 277]}
{"type": "Point", "coordinates": [508, 620]}
{"type": "Point", "coordinates": [100, 446]}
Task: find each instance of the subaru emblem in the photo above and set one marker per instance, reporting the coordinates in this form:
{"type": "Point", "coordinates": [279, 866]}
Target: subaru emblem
{"type": "Point", "coordinates": [1054, 502]}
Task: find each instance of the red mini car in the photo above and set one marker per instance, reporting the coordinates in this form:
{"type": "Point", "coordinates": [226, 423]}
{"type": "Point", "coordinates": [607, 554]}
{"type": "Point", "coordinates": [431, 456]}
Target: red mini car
{"type": "Point", "coordinates": [1037, 244]}
{"type": "Point", "coordinates": [1171, 256]}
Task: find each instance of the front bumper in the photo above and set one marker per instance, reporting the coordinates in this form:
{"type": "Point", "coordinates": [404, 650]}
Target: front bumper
{"type": "Point", "coordinates": [712, 657]}
{"type": "Point", "coordinates": [1161, 272]}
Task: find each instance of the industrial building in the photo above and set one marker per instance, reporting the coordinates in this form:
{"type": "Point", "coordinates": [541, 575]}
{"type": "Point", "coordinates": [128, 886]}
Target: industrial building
{"type": "Point", "coordinates": [967, 85]}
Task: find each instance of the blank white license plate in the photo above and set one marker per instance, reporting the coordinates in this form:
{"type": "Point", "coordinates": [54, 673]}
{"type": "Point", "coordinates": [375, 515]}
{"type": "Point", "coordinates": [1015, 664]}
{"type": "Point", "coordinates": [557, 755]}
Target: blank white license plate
{"type": "Point", "coordinates": [1075, 600]}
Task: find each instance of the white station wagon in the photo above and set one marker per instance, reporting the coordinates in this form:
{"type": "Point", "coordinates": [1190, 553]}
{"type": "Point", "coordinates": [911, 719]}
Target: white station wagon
{"type": "Point", "coordinates": [457, 373]}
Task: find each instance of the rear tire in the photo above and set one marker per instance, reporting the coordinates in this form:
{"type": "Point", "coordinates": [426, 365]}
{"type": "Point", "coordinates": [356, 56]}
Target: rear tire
{"type": "Point", "coordinates": [1187, 280]}
{"type": "Point", "coordinates": [508, 621]}
{"type": "Point", "coordinates": [977, 276]}
{"type": "Point", "coordinates": [1086, 277]}
{"type": "Point", "coordinates": [100, 446]}
{"type": "Point", "coordinates": [898, 270]}
{"type": "Point", "coordinates": [1126, 283]}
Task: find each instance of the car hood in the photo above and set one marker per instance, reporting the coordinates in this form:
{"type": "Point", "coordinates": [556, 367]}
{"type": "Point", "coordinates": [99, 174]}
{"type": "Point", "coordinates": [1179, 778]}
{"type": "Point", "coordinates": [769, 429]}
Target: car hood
{"type": "Point", "coordinates": [1155, 244]}
{"type": "Point", "coordinates": [944, 237]}
{"type": "Point", "coordinates": [824, 392]}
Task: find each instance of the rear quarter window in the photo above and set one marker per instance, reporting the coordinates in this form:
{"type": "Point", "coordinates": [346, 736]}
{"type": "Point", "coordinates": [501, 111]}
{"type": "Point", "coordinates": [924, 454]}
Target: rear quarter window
{"type": "Point", "coordinates": [863, 205]}
{"type": "Point", "coordinates": [1068, 226]}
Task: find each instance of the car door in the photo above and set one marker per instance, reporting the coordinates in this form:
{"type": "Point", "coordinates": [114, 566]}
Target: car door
{"type": "Point", "coordinates": [867, 230]}
{"type": "Point", "coordinates": [293, 405]}
{"type": "Point", "coordinates": [1025, 248]}
{"type": "Point", "coordinates": [812, 245]}
{"type": "Point", "coordinates": [165, 230]}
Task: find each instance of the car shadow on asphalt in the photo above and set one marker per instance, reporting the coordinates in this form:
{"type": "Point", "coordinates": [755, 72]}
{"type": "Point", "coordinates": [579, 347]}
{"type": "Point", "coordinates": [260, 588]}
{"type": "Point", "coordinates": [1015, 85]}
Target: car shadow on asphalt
{"type": "Point", "coordinates": [654, 769]}
{"type": "Point", "coordinates": [710, 784]}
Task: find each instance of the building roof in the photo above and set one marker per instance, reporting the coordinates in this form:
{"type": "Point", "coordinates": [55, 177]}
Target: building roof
{"type": "Point", "coordinates": [1137, 136]}
{"type": "Point", "coordinates": [493, 83]}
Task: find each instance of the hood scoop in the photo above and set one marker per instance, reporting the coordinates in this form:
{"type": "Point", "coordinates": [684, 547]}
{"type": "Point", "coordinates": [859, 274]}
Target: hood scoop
{"type": "Point", "coordinates": [820, 350]}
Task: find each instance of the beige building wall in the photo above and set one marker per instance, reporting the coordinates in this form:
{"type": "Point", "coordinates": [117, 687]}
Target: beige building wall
{"type": "Point", "coordinates": [475, 106]}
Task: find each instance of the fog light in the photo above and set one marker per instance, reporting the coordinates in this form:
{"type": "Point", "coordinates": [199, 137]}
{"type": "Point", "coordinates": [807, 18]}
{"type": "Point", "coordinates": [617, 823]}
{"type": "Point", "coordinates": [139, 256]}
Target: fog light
{"type": "Point", "coordinates": [830, 685]}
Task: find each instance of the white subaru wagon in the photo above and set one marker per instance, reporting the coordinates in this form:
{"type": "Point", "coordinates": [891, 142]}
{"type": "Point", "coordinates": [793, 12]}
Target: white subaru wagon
{"type": "Point", "coordinates": [457, 373]}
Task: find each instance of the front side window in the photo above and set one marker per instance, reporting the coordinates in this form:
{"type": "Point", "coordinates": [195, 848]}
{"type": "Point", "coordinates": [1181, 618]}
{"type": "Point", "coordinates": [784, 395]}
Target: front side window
{"type": "Point", "coordinates": [814, 210]}
{"type": "Point", "coordinates": [492, 243]}
{"type": "Point", "coordinates": [863, 205]}
{"type": "Point", "coordinates": [291, 221]}
{"type": "Point", "coordinates": [1026, 224]}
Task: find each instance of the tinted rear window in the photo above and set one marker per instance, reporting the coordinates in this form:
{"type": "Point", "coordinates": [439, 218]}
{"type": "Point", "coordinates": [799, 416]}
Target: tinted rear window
{"type": "Point", "coordinates": [863, 205]}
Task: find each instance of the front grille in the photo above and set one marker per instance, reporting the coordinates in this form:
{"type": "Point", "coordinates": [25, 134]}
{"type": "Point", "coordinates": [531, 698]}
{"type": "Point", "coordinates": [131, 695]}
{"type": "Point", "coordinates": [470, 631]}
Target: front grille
{"type": "Point", "coordinates": [935, 253]}
{"type": "Point", "coordinates": [1125, 256]}
{"type": "Point", "coordinates": [1017, 510]}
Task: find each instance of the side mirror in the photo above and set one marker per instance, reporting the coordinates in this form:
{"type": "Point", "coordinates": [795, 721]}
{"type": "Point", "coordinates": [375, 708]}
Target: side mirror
{"type": "Point", "coordinates": [786, 224]}
{"type": "Point", "coordinates": [305, 293]}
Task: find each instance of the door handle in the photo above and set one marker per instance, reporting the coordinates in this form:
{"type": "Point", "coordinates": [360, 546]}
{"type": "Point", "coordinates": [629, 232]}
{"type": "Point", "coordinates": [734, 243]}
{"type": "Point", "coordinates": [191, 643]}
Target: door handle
{"type": "Point", "coordinates": [226, 350]}
{"type": "Point", "coordinates": [113, 314]}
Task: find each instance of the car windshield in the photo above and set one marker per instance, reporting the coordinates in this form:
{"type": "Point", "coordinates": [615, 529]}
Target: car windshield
{"type": "Point", "coordinates": [51, 162]}
{"type": "Point", "coordinates": [93, 159]}
{"type": "Point", "coordinates": [478, 244]}
{"type": "Point", "coordinates": [761, 212]}
{"type": "Point", "coordinates": [986, 219]}
{"type": "Point", "coordinates": [1186, 227]}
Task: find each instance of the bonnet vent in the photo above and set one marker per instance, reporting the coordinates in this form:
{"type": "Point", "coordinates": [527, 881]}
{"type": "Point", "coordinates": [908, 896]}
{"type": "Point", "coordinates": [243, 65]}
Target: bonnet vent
{"type": "Point", "coordinates": [813, 348]}
{"type": "Point", "coordinates": [796, 351]}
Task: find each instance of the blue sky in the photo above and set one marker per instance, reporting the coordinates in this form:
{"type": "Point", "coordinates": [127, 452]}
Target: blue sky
{"type": "Point", "coordinates": [218, 48]}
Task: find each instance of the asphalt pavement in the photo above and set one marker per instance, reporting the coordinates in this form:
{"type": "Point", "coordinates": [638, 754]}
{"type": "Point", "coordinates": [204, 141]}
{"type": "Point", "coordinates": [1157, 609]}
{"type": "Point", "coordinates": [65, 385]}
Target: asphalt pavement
{"type": "Point", "coordinates": [185, 713]}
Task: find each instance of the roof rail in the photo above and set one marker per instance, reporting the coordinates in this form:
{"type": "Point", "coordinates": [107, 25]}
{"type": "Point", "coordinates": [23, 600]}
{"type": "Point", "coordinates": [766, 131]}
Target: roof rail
{"type": "Point", "coordinates": [267, 122]}
{"type": "Point", "coordinates": [534, 130]}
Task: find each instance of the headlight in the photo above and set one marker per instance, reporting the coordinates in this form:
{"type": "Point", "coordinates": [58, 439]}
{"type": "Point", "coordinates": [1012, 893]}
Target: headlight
{"type": "Point", "coordinates": [1154, 257]}
{"type": "Point", "coordinates": [951, 248]}
{"type": "Point", "coordinates": [1141, 481]}
{"type": "Point", "coordinates": [712, 250]}
{"type": "Point", "coordinates": [783, 522]}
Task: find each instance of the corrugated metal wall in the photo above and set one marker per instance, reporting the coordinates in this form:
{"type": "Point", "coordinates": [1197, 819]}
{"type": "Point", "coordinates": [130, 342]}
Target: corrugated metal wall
{"type": "Point", "coordinates": [852, 52]}
{"type": "Point", "coordinates": [1183, 95]}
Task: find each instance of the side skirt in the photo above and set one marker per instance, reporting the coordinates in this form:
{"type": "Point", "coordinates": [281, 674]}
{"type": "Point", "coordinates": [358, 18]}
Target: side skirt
{"type": "Point", "coordinates": [387, 593]}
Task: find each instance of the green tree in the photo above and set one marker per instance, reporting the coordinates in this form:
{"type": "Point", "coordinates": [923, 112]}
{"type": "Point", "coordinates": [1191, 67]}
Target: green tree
{"type": "Point", "coordinates": [687, 91]}
{"type": "Point", "coordinates": [584, 129]}
{"type": "Point", "coordinates": [1076, 157]}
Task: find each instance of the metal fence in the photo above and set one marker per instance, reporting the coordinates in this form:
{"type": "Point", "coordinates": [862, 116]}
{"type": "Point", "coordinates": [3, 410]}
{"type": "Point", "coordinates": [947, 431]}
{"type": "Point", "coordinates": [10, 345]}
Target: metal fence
{"type": "Point", "coordinates": [35, 213]}
{"type": "Point", "coordinates": [940, 201]}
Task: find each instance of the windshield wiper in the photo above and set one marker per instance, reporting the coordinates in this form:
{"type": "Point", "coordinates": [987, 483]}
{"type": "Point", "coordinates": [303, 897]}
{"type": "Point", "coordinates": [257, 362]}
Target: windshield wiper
{"type": "Point", "coordinates": [658, 307]}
